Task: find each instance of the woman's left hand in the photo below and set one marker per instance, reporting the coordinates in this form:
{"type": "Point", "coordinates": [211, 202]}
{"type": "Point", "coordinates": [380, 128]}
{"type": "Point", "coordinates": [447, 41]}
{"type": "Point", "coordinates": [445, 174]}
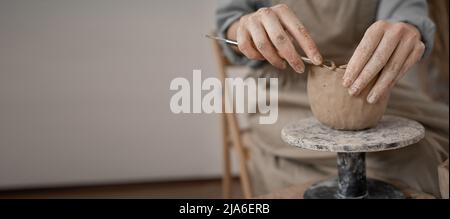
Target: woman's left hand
{"type": "Point", "coordinates": [388, 49]}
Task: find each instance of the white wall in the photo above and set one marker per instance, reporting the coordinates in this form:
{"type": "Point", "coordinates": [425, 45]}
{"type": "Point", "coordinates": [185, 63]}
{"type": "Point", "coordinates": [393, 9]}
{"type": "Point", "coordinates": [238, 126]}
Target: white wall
{"type": "Point", "coordinates": [84, 91]}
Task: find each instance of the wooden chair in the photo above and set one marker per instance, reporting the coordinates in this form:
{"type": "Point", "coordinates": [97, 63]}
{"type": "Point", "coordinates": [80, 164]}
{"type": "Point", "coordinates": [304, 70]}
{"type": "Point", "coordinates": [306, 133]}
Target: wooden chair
{"type": "Point", "coordinates": [232, 136]}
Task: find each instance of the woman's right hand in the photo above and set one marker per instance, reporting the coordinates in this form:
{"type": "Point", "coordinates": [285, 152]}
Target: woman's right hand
{"type": "Point", "coordinates": [268, 34]}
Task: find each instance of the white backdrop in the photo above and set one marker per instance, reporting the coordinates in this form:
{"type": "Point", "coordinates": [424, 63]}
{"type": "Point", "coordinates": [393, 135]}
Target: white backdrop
{"type": "Point", "coordinates": [84, 91]}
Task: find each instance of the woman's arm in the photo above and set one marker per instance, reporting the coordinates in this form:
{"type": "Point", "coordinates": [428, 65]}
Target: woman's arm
{"type": "Point", "coordinates": [230, 11]}
{"type": "Point", "coordinates": [270, 33]}
{"type": "Point", "coordinates": [414, 12]}
{"type": "Point", "coordinates": [390, 47]}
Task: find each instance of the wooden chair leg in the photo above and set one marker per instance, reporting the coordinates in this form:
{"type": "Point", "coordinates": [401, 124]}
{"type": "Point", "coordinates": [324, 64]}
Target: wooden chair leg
{"type": "Point", "coordinates": [231, 129]}
{"type": "Point", "coordinates": [226, 179]}
{"type": "Point", "coordinates": [245, 179]}
{"type": "Point", "coordinates": [237, 142]}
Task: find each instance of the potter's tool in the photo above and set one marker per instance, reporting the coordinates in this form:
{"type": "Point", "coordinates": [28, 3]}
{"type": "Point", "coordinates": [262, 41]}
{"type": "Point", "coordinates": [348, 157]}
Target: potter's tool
{"type": "Point", "coordinates": [326, 63]}
{"type": "Point", "coordinates": [351, 146]}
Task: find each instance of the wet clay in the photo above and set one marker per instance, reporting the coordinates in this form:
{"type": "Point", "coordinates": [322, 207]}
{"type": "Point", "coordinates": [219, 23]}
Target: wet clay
{"type": "Point", "coordinates": [333, 106]}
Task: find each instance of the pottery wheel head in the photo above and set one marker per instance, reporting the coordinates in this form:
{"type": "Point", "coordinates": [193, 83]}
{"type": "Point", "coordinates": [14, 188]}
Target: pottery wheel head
{"type": "Point", "coordinates": [391, 133]}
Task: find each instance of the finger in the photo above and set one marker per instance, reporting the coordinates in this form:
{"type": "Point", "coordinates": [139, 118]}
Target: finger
{"type": "Point", "coordinates": [245, 44]}
{"type": "Point", "coordinates": [378, 60]}
{"type": "Point", "coordinates": [263, 44]}
{"type": "Point", "coordinates": [295, 27]}
{"type": "Point", "coordinates": [391, 70]}
{"type": "Point", "coordinates": [412, 59]}
{"type": "Point", "coordinates": [363, 52]}
{"type": "Point", "coordinates": [280, 39]}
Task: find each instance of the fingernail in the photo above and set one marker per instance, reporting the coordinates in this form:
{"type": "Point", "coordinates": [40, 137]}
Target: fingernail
{"type": "Point", "coordinates": [372, 98]}
{"type": "Point", "coordinates": [346, 79]}
{"type": "Point", "coordinates": [346, 82]}
{"type": "Point", "coordinates": [353, 90]}
{"type": "Point", "coordinates": [317, 60]}
{"type": "Point", "coordinates": [300, 69]}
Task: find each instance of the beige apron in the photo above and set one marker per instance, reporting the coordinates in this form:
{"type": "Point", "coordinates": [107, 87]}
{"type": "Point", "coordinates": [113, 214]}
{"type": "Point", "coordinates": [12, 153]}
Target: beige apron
{"type": "Point", "coordinates": [337, 27]}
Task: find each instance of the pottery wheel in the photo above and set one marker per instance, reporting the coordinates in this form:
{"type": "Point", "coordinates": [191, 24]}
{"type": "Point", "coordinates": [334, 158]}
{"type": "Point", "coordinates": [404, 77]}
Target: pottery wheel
{"type": "Point", "coordinates": [351, 183]}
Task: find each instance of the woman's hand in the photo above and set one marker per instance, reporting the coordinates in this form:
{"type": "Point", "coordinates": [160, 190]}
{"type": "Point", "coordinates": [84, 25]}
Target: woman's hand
{"type": "Point", "coordinates": [268, 34]}
{"type": "Point", "coordinates": [388, 49]}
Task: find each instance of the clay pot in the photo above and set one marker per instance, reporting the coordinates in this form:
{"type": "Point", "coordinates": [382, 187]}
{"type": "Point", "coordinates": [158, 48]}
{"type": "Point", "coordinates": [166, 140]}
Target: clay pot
{"type": "Point", "coordinates": [333, 106]}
